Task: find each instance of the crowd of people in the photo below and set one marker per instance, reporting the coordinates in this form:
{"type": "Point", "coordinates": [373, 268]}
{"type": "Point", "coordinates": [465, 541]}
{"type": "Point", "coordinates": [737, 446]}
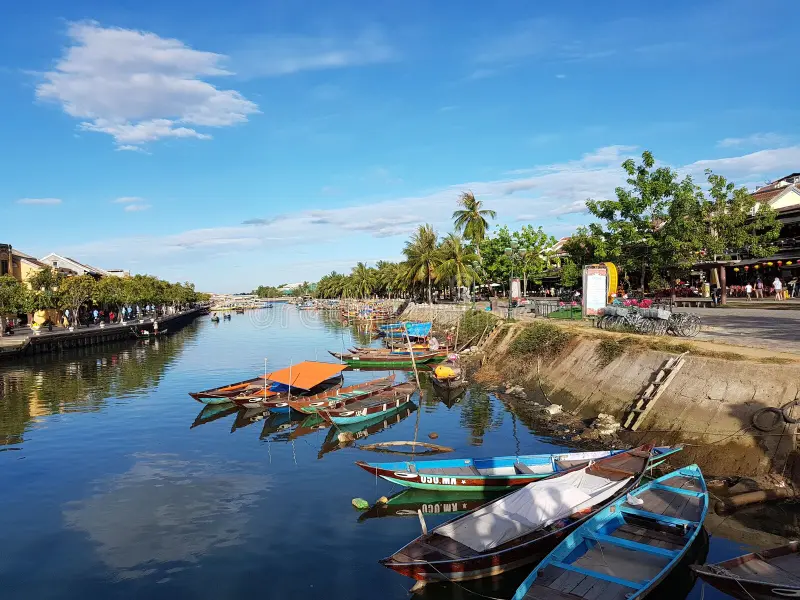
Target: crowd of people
{"type": "Point", "coordinates": [758, 289]}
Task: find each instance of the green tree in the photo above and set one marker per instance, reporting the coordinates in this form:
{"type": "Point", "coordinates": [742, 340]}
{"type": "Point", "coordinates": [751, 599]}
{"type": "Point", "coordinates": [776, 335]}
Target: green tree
{"type": "Point", "coordinates": [13, 299]}
{"type": "Point", "coordinates": [45, 284]}
{"type": "Point", "coordinates": [457, 263]}
{"type": "Point", "coordinates": [361, 282]}
{"type": "Point", "coordinates": [496, 265]}
{"type": "Point", "coordinates": [471, 219]}
{"type": "Point", "coordinates": [422, 257]}
{"type": "Point", "coordinates": [535, 242]}
{"type": "Point", "coordinates": [267, 291]}
{"type": "Point", "coordinates": [74, 292]}
{"type": "Point", "coordinates": [570, 273]}
{"type": "Point", "coordinates": [108, 292]}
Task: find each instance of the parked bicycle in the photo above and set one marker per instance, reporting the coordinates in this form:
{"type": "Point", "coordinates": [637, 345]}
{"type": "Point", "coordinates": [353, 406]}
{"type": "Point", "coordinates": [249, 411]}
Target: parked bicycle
{"type": "Point", "coordinates": [650, 321]}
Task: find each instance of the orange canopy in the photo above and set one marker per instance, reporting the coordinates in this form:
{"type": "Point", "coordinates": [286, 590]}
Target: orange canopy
{"type": "Point", "coordinates": [306, 375]}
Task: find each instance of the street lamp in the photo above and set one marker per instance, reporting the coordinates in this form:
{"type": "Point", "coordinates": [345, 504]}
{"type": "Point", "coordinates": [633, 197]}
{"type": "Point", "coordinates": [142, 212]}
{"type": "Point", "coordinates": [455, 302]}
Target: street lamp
{"type": "Point", "coordinates": [515, 254]}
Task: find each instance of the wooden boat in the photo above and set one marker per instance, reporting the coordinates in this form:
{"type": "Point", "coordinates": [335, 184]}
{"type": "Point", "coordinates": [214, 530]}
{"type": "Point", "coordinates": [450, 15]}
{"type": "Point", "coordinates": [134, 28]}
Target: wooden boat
{"type": "Point", "coordinates": [303, 379]}
{"type": "Point", "coordinates": [629, 547]}
{"type": "Point", "coordinates": [223, 394]}
{"type": "Point", "coordinates": [343, 436]}
{"type": "Point", "coordinates": [386, 360]}
{"type": "Point", "coordinates": [212, 412]}
{"type": "Point", "coordinates": [215, 319]}
{"type": "Point", "coordinates": [491, 474]}
{"type": "Point", "coordinates": [331, 397]}
{"type": "Point", "coordinates": [519, 528]}
{"type": "Point", "coordinates": [449, 376]}
{"type": "Point", "coordinates": [239, 311]}
{"type": "Point", "coordinates": [360, 411]}
{"type": "Point", "coordinates": [407, 503]}
{"type": "Point", "coordinates": [227, 316]}
{"type": "Point", "coordinates": [764, 575]}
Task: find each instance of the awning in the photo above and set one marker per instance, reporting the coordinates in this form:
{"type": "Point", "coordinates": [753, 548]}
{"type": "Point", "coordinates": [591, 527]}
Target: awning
{"type": "Point", "coordinates": [418, 329]}
{"type": "Point", "coordinates": [305, 375]}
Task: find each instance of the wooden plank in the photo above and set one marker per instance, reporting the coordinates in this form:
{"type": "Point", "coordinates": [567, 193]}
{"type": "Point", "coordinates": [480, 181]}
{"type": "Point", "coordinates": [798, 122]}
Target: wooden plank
{"type": "Point", "coordinates": [540, 592]}
{"type": "Point", "coordinates": [606, 590]}
{"type": "Point", "coordinates": [645, 401]}
{"type": "Point", "coordinates": [640, 534]}
{"type": "Point", "coordinates": [567, 581]}
{"type": "Point", "coordinates": [631, 545]}
{"type": "Point", "coordinates": [672, 373]}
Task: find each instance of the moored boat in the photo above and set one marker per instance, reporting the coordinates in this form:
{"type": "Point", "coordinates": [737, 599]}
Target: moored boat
{"type": "Point", "coordinates": [360, 391]}
{"type": "Point", "coordinates": [223, 394]}
{"type": "Point", "coordinates": [519, 528]}
{"type": "Point", "coordinates": [378, 359]}
{"type": "Point", "coordinates": [343, 436]}
{"type": "Point", "coordinates": [491, 474]}
{"type": "Point", "coordinates": [764, 575]}
{"type": "Point", "coordinates": [449, 376]}
{"type": "Point", "coordinates": [624, 551]}
{"type": "Point", "coordinates": [360, 411]}
{"type": "Point", "coordinates": [303, 379]}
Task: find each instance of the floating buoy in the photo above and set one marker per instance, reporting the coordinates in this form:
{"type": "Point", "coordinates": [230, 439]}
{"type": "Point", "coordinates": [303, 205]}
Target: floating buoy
{"type": "Point", "coordinates": [360, 503]}
{"type": "Point", "coordinates": [433, 435]}
{"type": "Point", "coordinates": [383, 500]}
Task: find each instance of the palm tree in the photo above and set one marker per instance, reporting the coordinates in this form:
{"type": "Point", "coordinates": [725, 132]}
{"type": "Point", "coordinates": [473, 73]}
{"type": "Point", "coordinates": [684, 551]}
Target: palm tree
{"type": "Point", "coordinates": [386, 277]}
{"type": "Point", "coordinates": [422, 257]}
{"type": "Point", "coordinates": [361, 281]}
{"type": "Point", "coordinates": [471, 221]}
{"type": "Point", "coordinates": [457, 262]}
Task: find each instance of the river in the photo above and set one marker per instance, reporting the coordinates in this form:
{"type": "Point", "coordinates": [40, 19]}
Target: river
{"type": "Point", "coordinates": [116, 485]}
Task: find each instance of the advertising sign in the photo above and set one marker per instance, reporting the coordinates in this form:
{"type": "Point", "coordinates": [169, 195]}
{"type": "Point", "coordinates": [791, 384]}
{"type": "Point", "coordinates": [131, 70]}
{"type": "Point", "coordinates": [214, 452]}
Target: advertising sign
{"type": "Point", "coordinates": [595, 289]}
{"type": "Point", "coordinates": [515, 289]}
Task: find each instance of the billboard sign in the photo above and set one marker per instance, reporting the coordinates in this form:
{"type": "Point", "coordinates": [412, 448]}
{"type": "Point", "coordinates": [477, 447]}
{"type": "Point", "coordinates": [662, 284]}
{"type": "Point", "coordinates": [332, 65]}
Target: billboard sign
{"type": "Point", "coordinates": [595, 290]}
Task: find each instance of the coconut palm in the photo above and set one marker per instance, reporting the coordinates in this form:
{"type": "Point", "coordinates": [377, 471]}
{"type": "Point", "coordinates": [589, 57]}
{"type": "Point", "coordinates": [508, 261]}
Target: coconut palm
{"type": "Point", "coordinates": [458, 262]}
{"type": "Point", "coordinates": [422, 257]}
{"type": "Point", "coordinates": [470, 220]}
{"type": "Point", "coordinates": [386, 277]}
{"type": "Point", "coordinates": [361, 281]}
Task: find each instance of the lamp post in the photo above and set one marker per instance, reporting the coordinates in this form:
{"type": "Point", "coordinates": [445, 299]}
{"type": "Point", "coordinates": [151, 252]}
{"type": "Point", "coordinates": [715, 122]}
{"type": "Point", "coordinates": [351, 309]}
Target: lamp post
{"type": "Point", "coordinates": [515, 254]}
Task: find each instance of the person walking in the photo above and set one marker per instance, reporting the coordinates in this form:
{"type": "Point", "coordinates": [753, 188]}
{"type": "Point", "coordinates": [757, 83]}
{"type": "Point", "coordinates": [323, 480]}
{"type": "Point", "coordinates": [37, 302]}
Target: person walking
{"type": "Point", "coordinates": [777, 286]}
{"type": "Point", "coordinates": [748, 289]}
{"type": "Point", "coordinates": [759, 288]}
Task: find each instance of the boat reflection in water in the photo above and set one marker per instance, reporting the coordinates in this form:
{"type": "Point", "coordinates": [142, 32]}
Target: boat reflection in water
{"type": "Point", "coordinates": [279, 423]}
{"type": "Point", "coordinates": [213, 412]}
{"type": "Point", "coordinates": [248, 416]}
{"type": "Point", "coordinates": [409, 502]}
{"type": "Point", "coordinates": [311, 424]}
{"type": "Point", "coordinates": [342, 436]}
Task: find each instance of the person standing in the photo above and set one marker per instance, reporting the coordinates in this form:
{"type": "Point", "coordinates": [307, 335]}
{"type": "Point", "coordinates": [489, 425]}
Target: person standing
{"type": "Point", "coordinates": [748, 289]}
{"type": "Point", "coordinates": [759, 288]}
{"type": "Point", "coordinates": [777, 286]}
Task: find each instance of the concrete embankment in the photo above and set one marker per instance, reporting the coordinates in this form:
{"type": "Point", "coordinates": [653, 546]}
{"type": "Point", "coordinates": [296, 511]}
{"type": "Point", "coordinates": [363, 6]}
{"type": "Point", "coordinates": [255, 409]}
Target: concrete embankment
{"type": "Point", "coordinates": [709, 405]}
{"type": "Point", "coordinates": [61, 339]}
{"type": "Point", "coordinates": [440, 314]}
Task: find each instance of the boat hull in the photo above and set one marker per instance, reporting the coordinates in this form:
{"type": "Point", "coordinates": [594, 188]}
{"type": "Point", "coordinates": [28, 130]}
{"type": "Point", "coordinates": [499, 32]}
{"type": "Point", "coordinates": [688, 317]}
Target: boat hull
{"type": "Point", "coordinates": [363, 416]}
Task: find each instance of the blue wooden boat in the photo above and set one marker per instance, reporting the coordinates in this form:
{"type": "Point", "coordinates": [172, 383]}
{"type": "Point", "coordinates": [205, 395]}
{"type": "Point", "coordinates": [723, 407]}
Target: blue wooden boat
{"type": "Point", "coordinates": [491, 474]}
{"type": "Point", "coordinates": [629, 547]}
{"type": "Point", "coordinates": [386, 402]}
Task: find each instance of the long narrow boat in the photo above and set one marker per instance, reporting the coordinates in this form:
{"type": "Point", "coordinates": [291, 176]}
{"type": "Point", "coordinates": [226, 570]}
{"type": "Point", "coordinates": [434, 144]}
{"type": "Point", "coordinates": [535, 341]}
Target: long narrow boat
{"type": "Point", "coordinates": [360, 391]}
{"type": "Point", "coordinates": [628, 548]}
{"type": "Point", "coordinates": [382, 403]}
{"type": "Point", "coordinates": [765, 575]}
{"type": "Point", "coordinates": [449, 376]}
{"type": "Point", "coordinates": [491, 474]}
{"type": "Point", "coordinates": [223, 394]}
{"type": "Point", "coordinates": [303, 379]}
{"type": "Point", "coordinates": [361, 431]}
{"type": "Point", "coordinates": [377, 359]}
{"type": "Point", "coordinates": [519, 528]}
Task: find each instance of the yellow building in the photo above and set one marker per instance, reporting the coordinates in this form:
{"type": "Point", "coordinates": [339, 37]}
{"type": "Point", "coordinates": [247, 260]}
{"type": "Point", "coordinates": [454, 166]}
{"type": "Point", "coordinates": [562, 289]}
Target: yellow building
{"type": "Point", "coordinates": [18, 264]}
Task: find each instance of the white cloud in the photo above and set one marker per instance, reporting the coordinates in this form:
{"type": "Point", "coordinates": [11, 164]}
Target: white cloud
{"type": "Point", "coordinates": [561, 76]}
{"type": "Point", "coordinates": [757, 140]}
{"type": "Point", "coordinates": [269, 56]}
{"type": "Point", "coordinates": [763, 162]}
{"type": "Point", "coordinates": [136, 207]}
{"type": "Point", "coordinates": [128, 200]}
{"type": "Point", "coordinates": [39, 201]}
{"type": "Point", "coordinates": [139, 87]}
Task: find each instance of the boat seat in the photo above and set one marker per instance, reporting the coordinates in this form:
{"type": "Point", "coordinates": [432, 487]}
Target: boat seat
{"type": "Point", "coordinates": [523, 469]}
{"type": "Point", "coordinates": [563, 465]}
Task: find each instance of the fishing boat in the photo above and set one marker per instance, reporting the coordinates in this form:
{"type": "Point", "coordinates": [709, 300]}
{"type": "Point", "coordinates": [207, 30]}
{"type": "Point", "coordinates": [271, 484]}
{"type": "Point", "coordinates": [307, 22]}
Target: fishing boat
{"type": "Point", "coordinates": [519, 528]}
{"type": "Point", "coordinates": [624, 551]}
{"type": "Point", "coordinates": [344, 436]}
{"type": "Point", "coordinates": [449, 376]}
{"type": "Point", "coordinates": [215, 319]}
{"type": "Point", "coordinates": [307, 378]}
{"type": "Point", "coordinates": [223, 394]}
{"type": "Point", "coordinates": [765, 575]}
{"type": "Point", "coordinates": [227, 316]}
{"type": "Point", "coordinates": [491, 474]}
{"type": "Point", "coordinates": [391, 359]}
{"type": "Point", "coordinates": [412, 330]}
{"type": "Point", "coordinates": [239, 311]}
{"type": "Point", "coordinates": [331, 397]}
{"type": "Point", "coordinates": [360, 411]}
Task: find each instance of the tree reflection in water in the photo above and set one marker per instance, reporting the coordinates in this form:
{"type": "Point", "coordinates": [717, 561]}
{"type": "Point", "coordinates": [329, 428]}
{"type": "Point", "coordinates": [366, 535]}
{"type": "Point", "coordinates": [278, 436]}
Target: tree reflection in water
{"type": "Point", "coordinates": [479, 414]}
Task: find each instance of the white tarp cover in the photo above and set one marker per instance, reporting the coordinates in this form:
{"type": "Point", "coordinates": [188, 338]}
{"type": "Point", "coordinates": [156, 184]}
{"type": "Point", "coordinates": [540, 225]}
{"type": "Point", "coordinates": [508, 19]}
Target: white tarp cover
{"type": "Point", "coordinates": [536, 505]}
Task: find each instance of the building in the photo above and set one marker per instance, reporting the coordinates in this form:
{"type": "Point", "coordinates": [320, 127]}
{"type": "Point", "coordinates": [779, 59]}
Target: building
{"type": "Point", "coordinates": [122, 273]}
{"type": "Point", "coordinates": [18, 264]}
{"type": "Point", "coordinates": [63, 263]}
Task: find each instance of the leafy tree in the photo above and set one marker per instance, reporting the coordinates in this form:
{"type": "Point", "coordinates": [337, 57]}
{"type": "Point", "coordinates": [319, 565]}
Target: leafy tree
{"type": "Point", "coordinates": [13, 299]}
{"type": "Point", "coordinates": [496, 265]}
{"type": "Point", "coordinates": [361, 282]}
{"type": "Point", "coordinates": [471, 219]}
{"type": "Point", "coordinates": [386, 279]}
{"type": "Point", "coordinates": [109, 292]}
{"type": "Point", "coordinates": [570, 273]}
{"type": "Point", "coordinates": [267, 291]}
{"type": "Point", "coordinates": [535, 243]}
{"type": "Point", "coordinates": [422, 257]}
{"type": "Point", "coordinates": [74, 292]}
{"type": "Point", "coordinates": [45, 284]}
{"type": "Point", "coordinates": [458, 262]}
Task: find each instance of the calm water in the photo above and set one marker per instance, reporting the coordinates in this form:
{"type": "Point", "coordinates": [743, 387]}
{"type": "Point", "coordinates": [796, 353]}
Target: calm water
{"type": "Point", "coordinates": [114, 484]}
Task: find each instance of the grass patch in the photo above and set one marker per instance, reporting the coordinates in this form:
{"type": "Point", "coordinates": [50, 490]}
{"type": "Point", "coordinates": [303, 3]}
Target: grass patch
{"type": "Point", "coordinates": [474, 323]}
{"type": "Point", "coordinates": [540, 339]}
{"type": "Point", "coordinates": [575, 314]}
{"type": "Point", "coordinates": [608, 350]}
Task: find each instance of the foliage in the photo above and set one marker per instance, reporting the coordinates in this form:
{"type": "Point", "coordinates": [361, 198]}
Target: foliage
{"type": "Point", "coordinates": [304, 289]}
{"type": "Point", "coordinates": [13, 296]}
{"type": "Point", "coordinates": [475, 323]}
{"type": "Point", "coordinates": [45, 284]}
{"type": "Point", "coordinates": [267, 291]}
{"type": "Point", "coordinates": [458, 262]}
{"type": "Point", "coordinates": [471, 219]}
{"type": "Point", "coordinates": [540, 339]}
{"type": "Point", "coordinates": [608, 351]}
{"type": "Point", "coordinates": [570, 273]}
{"type": "Point", "coordinates": [422, 257]}
{"type": "Point", "coordinates": [74, 291]}
{"type": "Point", "coordinates": [362, 281]}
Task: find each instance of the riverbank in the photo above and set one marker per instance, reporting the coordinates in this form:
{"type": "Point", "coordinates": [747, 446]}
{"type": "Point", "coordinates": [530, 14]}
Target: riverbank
{"type": "Point", "coordinates": [26, 342]}
{"type": "Point", "coordinates": [708, 406]}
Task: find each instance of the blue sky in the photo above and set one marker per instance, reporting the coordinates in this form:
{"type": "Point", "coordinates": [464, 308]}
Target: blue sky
{"type": "Point", "coordinates": [243, 143]}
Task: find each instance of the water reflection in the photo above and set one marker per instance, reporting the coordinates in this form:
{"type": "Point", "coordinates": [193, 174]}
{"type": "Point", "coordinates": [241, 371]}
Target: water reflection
{"type": "Point", "coordinates": [407, 502]}
{"type": "Point", "coordinates": [48, 384]}
{"type": "Point", "coordinates": [478, 414]}
{"type": "Point", "coordinates": [166, 512]}
{"type": "Point", "coordinates": [344, 436]}
{"type": "Point", "coordinates": [213, 412]}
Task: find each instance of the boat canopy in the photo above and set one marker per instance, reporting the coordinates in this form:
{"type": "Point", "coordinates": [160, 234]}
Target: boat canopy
{"type": "Point", "coordinates": [418, 329]}
{"type": "Point", "coordinates": [305, 375]}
